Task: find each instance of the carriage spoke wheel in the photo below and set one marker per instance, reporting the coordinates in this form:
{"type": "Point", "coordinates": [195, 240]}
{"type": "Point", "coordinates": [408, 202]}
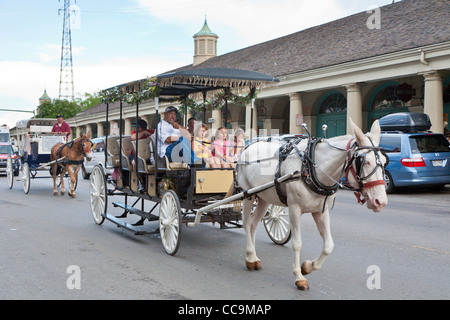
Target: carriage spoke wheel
{"type": "Point", "coordinates": [10, 172]}
{"type": "Point", "coordinates": [276, 223]}
{"type": "Point", "coordinates": [98, 194]}
{"type": "Point", "coordinates": [26, 177]}
{"type": "Point", "coordinates": [170, 222]}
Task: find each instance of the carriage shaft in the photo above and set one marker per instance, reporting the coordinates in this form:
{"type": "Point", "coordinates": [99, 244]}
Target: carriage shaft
{"type": "Point", "coordinates": [243, 195]}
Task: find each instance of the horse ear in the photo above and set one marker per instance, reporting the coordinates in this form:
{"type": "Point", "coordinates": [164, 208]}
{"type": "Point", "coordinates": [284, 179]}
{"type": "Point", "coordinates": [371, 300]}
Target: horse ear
{"type": "Point", "coordinates": [81, 134]}
{"type": "Point", "coordinates": [89, 135]}
{"type": "Point", "coordinates": [376, 132]}
{"type": "Point", "coordinates": [359, 135]}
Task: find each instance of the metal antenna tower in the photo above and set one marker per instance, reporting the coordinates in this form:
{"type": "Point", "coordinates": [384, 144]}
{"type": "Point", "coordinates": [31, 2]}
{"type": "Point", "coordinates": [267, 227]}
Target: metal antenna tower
{"type": "Point", "coordinates": [66, 88]}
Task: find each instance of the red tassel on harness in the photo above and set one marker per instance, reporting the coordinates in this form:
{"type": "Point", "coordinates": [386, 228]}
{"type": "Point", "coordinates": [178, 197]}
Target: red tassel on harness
{"type": "Point", "coordinates": [360, 198]}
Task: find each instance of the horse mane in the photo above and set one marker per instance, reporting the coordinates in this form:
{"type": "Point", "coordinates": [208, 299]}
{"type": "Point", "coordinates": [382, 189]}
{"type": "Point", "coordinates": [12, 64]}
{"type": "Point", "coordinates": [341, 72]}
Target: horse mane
{"type": "Point", "coordinates": [340, 138]}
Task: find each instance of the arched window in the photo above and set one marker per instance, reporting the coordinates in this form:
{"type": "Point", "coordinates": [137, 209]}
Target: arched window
{"type": "Point", "coordinates": [333, 103]}
{"type": "Point", "coordinates": [393, 96]}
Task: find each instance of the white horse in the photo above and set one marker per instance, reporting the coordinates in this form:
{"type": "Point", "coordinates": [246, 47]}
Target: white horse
{"type": "Point", "coordinates": [364, 166]}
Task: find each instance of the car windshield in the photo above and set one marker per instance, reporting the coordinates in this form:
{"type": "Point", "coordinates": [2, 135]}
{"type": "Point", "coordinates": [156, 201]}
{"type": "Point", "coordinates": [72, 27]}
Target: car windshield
{"type": "Point", "coordinates": [6, 149]}
{"type": "Point", "coordinates": [429, 144]}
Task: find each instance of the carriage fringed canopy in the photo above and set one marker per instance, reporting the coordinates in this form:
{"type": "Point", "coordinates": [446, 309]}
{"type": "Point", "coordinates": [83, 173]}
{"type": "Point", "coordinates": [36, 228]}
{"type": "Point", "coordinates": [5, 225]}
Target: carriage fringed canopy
{"type": "Point", "coordinates": [186, 82]}
{"type": "Point", "coordinates": [215, 78]}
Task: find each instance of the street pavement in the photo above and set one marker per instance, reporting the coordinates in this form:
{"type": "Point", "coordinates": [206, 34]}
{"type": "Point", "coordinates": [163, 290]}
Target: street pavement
{"type": "Point", "coordinates": [52, 249]}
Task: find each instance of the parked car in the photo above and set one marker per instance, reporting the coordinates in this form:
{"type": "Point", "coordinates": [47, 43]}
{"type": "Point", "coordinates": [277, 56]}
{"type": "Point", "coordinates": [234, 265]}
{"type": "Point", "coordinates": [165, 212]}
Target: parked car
{"type": "Point", "coordinates": [98, 158]}
{"type": "Point", "coordinates": [5, 150]}
{"type": "Point", "coordinates": [416, 158]}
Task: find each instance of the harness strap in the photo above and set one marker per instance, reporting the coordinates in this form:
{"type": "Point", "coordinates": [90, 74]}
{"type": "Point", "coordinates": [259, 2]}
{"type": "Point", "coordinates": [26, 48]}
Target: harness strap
{"type": "Point", "coordinates": [69, 145]}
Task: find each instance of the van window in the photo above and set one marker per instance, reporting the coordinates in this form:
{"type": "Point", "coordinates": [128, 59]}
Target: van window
{"type": "Point", "coordinates": [391, 144]}
{"type": "Point", "coordinates": [429, 144]}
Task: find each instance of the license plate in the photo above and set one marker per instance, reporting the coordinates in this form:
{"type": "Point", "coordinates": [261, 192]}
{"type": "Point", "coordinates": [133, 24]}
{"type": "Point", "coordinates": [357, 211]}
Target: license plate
{"type": "Point", "coordinates": [438, 163]}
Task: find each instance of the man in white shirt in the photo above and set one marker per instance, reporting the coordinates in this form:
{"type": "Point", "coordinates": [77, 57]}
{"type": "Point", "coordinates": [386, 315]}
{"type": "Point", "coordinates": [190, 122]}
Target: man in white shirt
{"type": "Point", "coordinates": [174, 141]}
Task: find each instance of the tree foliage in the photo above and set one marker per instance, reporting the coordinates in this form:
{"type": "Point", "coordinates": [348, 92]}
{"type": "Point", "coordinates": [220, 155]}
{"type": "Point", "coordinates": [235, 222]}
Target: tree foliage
{"type": "Point", "coordinates": [68, 109]}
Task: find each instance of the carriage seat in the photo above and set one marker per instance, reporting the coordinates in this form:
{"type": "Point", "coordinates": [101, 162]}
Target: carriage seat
{"type": "Point", "coordinates": [175, 165]}
{"type": "Point", "coordinates": [144, 156]}
{"type": "Point", "coordinates": [113, 151]}
{"type": "Point", "coordinates": [127, 149]}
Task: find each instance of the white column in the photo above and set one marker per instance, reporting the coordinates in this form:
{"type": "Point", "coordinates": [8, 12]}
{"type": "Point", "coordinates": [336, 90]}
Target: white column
{"type": "Point", "coordinates": [89, 129]}
{"type": "Point", "coordinates": [218, 121]}
{"type": "Point", "coordinates": [248, 118]}
{"type": "Point", "coordinates": [296, 109]}
{"type": "Point", "coordinates": [354, 106]}
{"type": "Point", "coordinates": [114, 127]}
{"type": "Point", "coordinates": [79, 131]}
{"type": "Point", "coordinates": [128, 126]}
{"type": "Point", "coordinates": [100, 131]}
{"type": "Point", "coordinates": [434, 100]}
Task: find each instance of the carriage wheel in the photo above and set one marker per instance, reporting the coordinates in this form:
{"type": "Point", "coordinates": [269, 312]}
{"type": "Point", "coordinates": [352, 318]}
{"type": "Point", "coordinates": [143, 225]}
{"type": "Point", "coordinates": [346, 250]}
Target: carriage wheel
{"type": "Point", "coordinates": [276, 222]}
{"type": "Point", "coordinates": [98, 194]}
{"type": "Point", "coordinates": [26, 177]}
{"type": "Point", "coordinates": [10, 172]}
{"type": "Point", "coordinates": [170, 222]}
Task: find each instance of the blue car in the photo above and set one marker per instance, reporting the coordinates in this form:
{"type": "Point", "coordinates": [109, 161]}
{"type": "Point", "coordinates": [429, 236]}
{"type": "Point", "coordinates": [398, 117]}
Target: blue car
{"type": "Point", "coordinates": [416, 159]}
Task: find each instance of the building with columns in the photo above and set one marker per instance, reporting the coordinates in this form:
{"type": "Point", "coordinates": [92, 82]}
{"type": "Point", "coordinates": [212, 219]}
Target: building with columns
{"type": "Point", "coordinates": [391, 59]}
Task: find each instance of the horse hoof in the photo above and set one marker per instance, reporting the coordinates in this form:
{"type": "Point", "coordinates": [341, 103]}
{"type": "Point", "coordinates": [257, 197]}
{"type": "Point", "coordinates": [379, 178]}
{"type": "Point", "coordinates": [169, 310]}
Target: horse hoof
{"type": "Point", "coordinates": [253, 265]}
{"type": "Point", "coordinates": [63, 193]}
{"type": "Point", "coordinates": [55, 193]}
{"type": "Point", "coordinates": [307, 268]}
{"type": "Point", "coordinates": [302, 285]}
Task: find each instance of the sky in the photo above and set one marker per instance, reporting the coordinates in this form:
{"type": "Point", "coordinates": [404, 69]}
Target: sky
{"type": "Point", "coordinates": [116, 41]}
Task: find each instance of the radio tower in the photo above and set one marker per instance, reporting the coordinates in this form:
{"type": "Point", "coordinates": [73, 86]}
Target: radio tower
{"type": "Point", "coordinates": [66, 90]}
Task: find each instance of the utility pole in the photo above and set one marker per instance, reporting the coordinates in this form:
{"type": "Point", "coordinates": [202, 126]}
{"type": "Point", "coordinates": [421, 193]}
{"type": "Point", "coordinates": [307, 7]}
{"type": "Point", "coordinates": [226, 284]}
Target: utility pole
{"type": "Point", "coordinates": [66, 88]}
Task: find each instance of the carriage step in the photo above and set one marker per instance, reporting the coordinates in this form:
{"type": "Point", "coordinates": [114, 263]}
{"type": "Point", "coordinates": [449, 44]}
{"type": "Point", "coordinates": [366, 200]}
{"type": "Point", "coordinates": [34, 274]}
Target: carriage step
{"type": "Point", "coordinates": [138, 230]}
{"type": "Point", "coordinates": [133, 210]}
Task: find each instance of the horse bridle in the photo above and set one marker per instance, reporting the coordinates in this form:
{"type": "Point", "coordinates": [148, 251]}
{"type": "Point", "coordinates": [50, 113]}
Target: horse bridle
{"type": "Point", "coordinates": [354, 166]}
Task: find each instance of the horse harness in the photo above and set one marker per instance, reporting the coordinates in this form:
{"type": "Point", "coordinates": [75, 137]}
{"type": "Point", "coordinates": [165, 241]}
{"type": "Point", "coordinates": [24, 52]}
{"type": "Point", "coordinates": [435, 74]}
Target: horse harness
{"type": "Point", "coordinates": [70, 146]}
{"type": "Point", "coordinates": [353, 164]}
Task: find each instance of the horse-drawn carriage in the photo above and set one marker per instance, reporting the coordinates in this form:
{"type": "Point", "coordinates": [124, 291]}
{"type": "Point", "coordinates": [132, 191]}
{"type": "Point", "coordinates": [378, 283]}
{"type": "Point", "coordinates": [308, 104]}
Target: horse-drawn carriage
{"type": "Point", "coordinates": [36, 153]}
{"type": "Point", "coordinates": [302, 175]}
{"type": "Point", "coordinates": [179, 190]}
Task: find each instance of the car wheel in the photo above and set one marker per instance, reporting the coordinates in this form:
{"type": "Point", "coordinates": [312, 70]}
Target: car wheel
{"type": "Point", "coordinates": [84, 173]}
{"type": "Point", "coordinates": [390, 188]}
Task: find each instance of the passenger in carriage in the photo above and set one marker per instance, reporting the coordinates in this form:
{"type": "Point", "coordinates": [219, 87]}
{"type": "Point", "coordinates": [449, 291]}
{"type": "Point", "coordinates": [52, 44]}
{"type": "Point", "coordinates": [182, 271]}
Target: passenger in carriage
{"type": "Point", "coordinates": [142, 133]}
{"type": "Point", "coordinates": [201, 144]}
{"type": "Point", "coordinates": [239, 143]}
{"type": "Point", "coordinates": [222, 150]}
{"type": "Point", "coordinates": [191, 126]}
{"type": "Point", "coordinates": [174, 141]}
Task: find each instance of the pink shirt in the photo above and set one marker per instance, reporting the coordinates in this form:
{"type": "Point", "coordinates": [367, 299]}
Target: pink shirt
{"type": "Point", "coordinates": [217, 144]}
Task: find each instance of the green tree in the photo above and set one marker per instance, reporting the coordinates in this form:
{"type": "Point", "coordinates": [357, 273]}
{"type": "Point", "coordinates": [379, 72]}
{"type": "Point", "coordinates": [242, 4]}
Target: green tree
{"type": "Point", "coordinates": [51, 109]}
{"type": "Point", "coordinates": [68, 109]}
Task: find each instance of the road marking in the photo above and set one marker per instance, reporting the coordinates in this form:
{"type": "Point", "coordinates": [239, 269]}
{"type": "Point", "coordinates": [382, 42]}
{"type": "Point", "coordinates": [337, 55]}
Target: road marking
{"type": "Point", "coordinates": [432, 250]}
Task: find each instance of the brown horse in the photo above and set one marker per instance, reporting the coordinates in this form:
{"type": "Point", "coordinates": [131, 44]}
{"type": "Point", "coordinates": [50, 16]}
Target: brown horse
{"type": "Point", "coordinates": [73, 154]}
